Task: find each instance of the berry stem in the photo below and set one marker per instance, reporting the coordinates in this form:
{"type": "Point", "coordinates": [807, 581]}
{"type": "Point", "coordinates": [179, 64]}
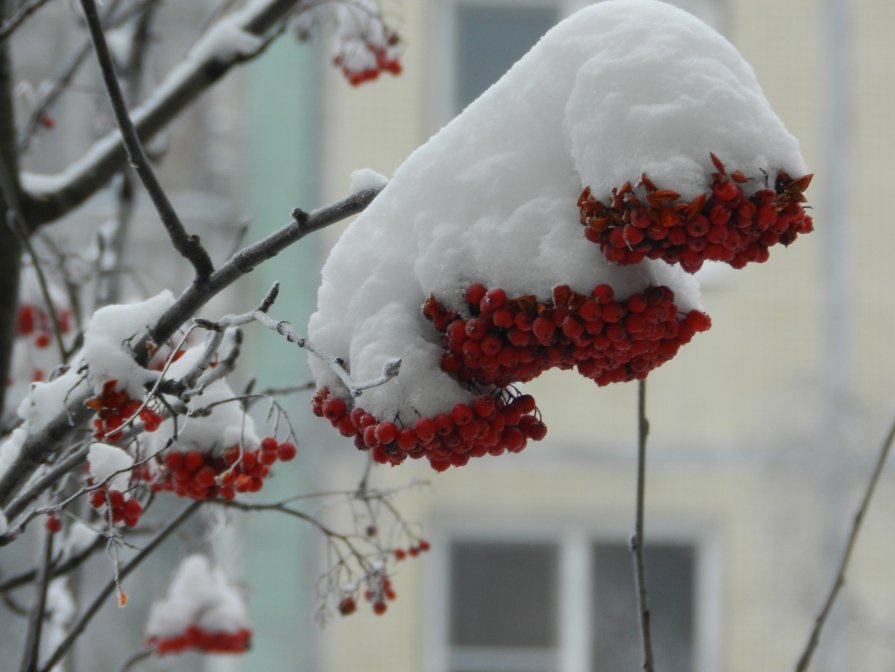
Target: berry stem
{"type": "Point", "coordinates": [637, 541]}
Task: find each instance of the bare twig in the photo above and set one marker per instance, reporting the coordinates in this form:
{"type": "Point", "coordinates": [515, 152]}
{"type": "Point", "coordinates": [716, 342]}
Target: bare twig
{"type": "Point", "coordinates": [66, 566]}
{"type": "Point", "coordinates": [21, 15]}
{"type": "Point", "coordinates": [839, 581]}
{"type": "Point", "coordinates": [38, 609]}
{"type": "Point", "coordinates": [135, 659]}
{"type": "Point", "coordinates": [110, 587]}
{"type": "Point", "coordinates": [187, 245]}
{"type": "Point", "coordinates": [637, 541]}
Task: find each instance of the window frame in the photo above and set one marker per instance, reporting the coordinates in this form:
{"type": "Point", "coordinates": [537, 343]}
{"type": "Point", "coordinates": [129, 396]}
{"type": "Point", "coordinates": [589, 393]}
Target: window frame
{"type": "Point", "coordinates": [575, 541]}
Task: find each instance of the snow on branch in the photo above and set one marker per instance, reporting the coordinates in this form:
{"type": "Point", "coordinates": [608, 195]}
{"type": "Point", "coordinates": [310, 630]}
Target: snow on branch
{"type": "Point", "coordinates": [49, 197]}
{"type": "Point", "coordinates": [40, 443]}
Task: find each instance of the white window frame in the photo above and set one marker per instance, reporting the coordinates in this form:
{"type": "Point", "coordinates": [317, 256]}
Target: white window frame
{"type": "Point", "coordinates": [575, 542]}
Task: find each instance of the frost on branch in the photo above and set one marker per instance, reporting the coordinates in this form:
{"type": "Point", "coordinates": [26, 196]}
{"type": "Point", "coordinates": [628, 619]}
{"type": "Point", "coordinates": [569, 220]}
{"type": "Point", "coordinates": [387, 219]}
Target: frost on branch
{"type": "Point", "coordinates": [202, 611]}
{"type": "Point", "coordinates": [630, 117]}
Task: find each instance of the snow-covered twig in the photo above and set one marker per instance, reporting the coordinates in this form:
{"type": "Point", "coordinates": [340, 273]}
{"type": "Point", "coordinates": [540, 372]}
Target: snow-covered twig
{"type": "Point", "coordinates": [177, 91]}
{"type": "Point", "coordinates": [40, 445]}
{"type": "Point", "coordinates": [187, 245]}
{"type": "Point", "coordinates": [637, 542]}
{"type": "Point", "coordinates": [839, 580]}
{"type": "Point", "coordinates": [284, 328]}
{"type": "Point", "coordinates": [110, 587]}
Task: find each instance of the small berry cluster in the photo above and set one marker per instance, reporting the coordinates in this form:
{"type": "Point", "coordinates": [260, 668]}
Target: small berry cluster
{"type": "Point", "coordinates": [420, 547]}
{"type": "Point", "coordinates": [515, 340]}
{"type": "Point", "coordinates": [204, 476]}
{"type": "Point", "coordinates": [114, 408]}
{"type": "Point", "coordinates": [119, 507]}
{"type": "Point", "coordinates": [383, 63]}
{"type": "Point", "coordinates": [32, 321]}
{"type": "Point", "coordinates": [489, 425]}
{"type": "Point", "coordinates": [197, 639]}
{"type": "Point", "coordinates": [722, 224]}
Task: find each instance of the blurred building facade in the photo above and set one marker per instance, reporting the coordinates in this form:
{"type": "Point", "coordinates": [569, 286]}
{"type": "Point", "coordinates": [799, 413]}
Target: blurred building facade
{"type": "Point", "coordinates": [764, 429]}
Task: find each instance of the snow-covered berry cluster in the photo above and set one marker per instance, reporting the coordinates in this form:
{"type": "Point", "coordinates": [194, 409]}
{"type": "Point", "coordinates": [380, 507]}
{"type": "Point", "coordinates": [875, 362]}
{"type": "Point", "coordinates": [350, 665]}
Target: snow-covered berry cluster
{"type": "Point", "coordinates": [490, 425]}
{"type": "Point", "coordinates": [506, 340]}
{"type": "Point", "coordinates": [729, 222]}
{"type": "Point", "coordinates": [194, 638]}
{"type": "Point", "coordinates": [204, 475]}
{"type": "Point", "coordinates": [381, 59]}
{"type": "Point", "coordinates": [114, 407]}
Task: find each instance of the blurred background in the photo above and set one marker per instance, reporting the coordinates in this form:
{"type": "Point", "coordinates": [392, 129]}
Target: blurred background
{"type": "Point", "coordinates": [763, 430]}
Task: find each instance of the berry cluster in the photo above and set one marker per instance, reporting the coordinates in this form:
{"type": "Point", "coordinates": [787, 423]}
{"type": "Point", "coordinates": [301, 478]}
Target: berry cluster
{"type": "Point", "coordinates": [119, 507]}
{"type": "Point", "coordinates": [196, 639]}
{"type": "Point", "coordinates": [114, 408]}
{"type": "Point", "coordinates": [32, 321]}
{"type": "Point", "coordinates": [508, 340]}
{"type": "Point", "coordinates": [203, 476]}
{"type": "Point", "coordinates": [420, 547]}
{"type": "Point", "coordinates": [491, 424]}
{"type": "Point", "coordinates": [723, 224]}
{"type": "Point", "coordinates": [383, 62]}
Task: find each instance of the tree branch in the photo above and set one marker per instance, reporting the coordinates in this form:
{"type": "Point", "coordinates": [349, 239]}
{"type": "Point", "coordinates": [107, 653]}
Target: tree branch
{"type": "Point", "coordinates": [637, 542]}
{"type": "Point", "coordinates": [9, 26]}
{"type": "Point", "coordinates": [40, 445]}
{"type": "Point", "coordinates": [839, 580]}
{"type": "Point", "coordinates": [112, 585]}
{"type": "Point", "coordinates": [49, 198]}
{"type": "Point", "coordinates": [38, 609]}
{"type": "Point", "coordinates": [187, 245]}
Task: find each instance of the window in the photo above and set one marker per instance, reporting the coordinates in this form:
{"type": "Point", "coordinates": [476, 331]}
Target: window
{"type": "Point", "coordinates": [480, 39]}
{"type": "Point", "coordinates": [569, 605]}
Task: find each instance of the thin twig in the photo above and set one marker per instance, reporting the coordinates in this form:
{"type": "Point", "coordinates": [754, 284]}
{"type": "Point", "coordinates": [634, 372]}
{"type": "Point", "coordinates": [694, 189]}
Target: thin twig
{"type": "Point", "coordinates": [38, 609]}
{"type": "Point", "coordinates": [12, 24]}
{"type": "Point", "coordinates": [839, 581]}
{"type": "Point", "coordinates": [135, 659]}
{"type": "Point", "coordinates": [75, 631]}
{"type": "Point", "coordinates": [637, 542]}
{"type": "Point", "coordinates": [68, 565]}
{"type": "Point", "coordinates": [187, 245]}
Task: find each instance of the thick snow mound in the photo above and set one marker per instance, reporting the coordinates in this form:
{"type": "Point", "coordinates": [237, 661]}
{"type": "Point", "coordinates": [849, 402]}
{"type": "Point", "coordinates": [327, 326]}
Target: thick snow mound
{"type": "Point", "coordinates": [621, 88]}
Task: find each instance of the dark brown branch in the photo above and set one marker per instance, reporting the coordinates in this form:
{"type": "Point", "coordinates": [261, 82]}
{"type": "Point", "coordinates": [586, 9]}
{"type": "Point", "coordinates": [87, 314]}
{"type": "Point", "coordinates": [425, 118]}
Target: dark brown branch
{"type": "Point", "coordinates": [94, 607]}
{"type": "Point", "coordinates": [637, 541]}
{"type": "Point", "coordinates": [39, 446]}
{"type": "Point", "coordinates": [839, 580]}
{"type": "Point", "coordinates": [179, 90]}
{"type": "Point", "coordinates": [187, 245]}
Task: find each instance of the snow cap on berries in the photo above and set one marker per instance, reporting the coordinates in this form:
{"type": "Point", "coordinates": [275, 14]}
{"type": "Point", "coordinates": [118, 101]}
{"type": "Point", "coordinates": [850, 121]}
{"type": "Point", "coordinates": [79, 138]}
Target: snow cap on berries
{"type": "Point", "coordinates": [658, 92]}
{"type": "Point", "coordinates": [199, 595]}
{"type": "Point", "coordinates": [106, 340]}
{"type": "Point", "coordinates": [106, 460]}
{"type": "Point", "coordinates": [490, 199]}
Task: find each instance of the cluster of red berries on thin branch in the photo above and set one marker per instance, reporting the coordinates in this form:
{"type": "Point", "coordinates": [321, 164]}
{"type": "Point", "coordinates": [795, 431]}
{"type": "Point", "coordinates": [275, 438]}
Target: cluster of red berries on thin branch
{"type": "Point", "coordinates": [204, 476]}
{"type": "Point", "coordinates": [722, 224]}
{"type": "Point", "coordinates": [116, 506]}
{"type": "Point", "coordinates": [491, 424]}
{"type": "Point", "coordinates": [382, 63]}
{"type": "Point", "coordinates": [35, 323]}
{"type": "Point", "coordinates": [506, 340]}
{"type": "Point", "coordinates": [194, 638]}
{"type": "Point", "coordinates": [114, 408]}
